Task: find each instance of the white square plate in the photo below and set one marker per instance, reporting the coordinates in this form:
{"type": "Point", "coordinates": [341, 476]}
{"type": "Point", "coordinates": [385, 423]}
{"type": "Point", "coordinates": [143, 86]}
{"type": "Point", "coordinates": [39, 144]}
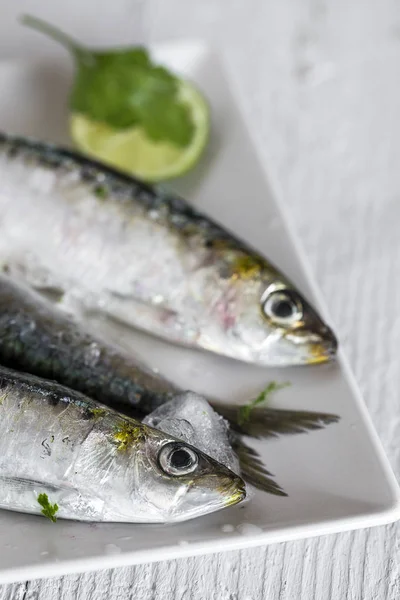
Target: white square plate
{"type": "Point", "coordinates": [337, 478]}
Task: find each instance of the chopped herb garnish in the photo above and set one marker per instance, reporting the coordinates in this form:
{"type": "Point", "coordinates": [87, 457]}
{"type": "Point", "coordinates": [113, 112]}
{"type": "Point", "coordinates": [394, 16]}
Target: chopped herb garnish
{"type": "Point", "coordinates": [98, 413]}
{"type": "Point", "coordinates": [127, 435]}
{"type": "Point", "coordinates": [101, 192]}
{"type": "Point", "coordinates": [48, 510]}
{"type": "Point", "coordinates": [245, 411]}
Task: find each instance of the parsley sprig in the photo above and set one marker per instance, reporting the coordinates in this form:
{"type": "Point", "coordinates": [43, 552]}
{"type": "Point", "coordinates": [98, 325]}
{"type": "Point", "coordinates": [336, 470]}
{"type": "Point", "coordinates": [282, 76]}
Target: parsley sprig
{"type": "Point", "coordinates": [123, 88]}
{"type": "Point", "coordinates": [48, 510]}
{"type": "Point", "coordinates": [245, 410]}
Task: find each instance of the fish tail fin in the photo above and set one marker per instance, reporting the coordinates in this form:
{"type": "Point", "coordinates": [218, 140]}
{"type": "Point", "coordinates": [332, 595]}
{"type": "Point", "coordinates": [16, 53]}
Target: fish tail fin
{"type": "Point", "coordinates": [272, 422]}
{"type": "Point", "coordinates": [252, 468]}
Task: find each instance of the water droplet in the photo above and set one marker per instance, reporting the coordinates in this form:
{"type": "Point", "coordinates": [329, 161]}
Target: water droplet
{"type": "Point", "coordinates": [27, 328]}
{"type": "Point", "coordinates": [112, 549]}
{"type": "Point", "coordinates": [124, 538]}
{"type": "Point", "coordinates": [92, 354]}
{"type": "Point", "coordinates": [227, 528]}
{"type": "Point", "coordinates": [249, 529]}
{"type": "Point", "coordinates": [44, 553]}
{"type": "Point", "coordinates": [101, 303]}
{"type": "Point", "coordinates": [183, 543]}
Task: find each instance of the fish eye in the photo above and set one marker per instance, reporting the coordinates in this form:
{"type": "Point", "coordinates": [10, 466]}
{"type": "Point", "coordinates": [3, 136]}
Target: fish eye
{"type": "Point", "coordinates": [283, 307]}
{"type": "Point", "coordinates": [177, 459]}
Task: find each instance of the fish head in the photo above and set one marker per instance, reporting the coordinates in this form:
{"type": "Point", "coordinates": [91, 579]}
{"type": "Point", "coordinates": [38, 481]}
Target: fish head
{"type": "Point", "coordinates": [179, 482]}
{"type": "Point", "coordinates": [189, 417]}
{"type": "Point", "coordinates": [263, 319]}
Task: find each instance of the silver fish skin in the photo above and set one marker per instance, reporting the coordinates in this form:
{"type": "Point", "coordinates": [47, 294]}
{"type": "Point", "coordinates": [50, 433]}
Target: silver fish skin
{"type": "Point", "coordinates": [115, 245]}
{"type": "Point", "coordinates": [98, 465]}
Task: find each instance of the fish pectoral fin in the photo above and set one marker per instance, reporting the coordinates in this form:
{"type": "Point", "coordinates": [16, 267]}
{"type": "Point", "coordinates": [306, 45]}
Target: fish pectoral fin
{"type": "Point", "coordinates": [23, 484]}
{"type": "Point", "coordinates": [137, 315]}
{"type": "Point", "coordinates": [160, 308]}
{"type": "Point", "coordinates": [21, 493]}
{"type": "Point", "coordinates": [52, 293]}
{"type": "Point", "coordinates": [271, 422]}
{"type": "Point", "coordinates": [252, 469]}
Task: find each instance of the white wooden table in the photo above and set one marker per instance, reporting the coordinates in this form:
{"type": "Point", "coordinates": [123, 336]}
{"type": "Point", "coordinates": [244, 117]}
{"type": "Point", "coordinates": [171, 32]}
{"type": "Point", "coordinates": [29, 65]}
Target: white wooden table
{"type": "Point", "coordinates": [321, 83]}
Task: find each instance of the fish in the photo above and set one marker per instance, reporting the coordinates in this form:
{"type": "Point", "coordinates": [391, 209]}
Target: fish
{"type": "Point", "coordinates": [113, 245]}
{"type": "Point", "coordinates": [38, 338]}
{"type": "Point", "coordinates": [98, 465]}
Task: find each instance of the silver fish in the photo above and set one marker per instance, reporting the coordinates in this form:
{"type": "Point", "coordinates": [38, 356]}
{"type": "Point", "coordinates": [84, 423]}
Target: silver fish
{"type": "Point", "coordinates": [98, 465]}
{"type": "Point", "coordinates": [115, 245]}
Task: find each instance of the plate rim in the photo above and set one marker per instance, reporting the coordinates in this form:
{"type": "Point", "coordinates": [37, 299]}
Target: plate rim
{"type": "Point", "coordinates": [173, 552]}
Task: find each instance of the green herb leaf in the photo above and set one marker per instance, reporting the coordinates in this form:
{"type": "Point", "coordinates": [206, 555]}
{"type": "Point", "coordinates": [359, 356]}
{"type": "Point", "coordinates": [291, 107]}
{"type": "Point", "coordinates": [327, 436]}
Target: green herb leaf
{"type": "Point", "coordinates": [123, 88]}
{"type": "Point", "coordinates": [245, 411]}
{"type": "Point", "coordinates": [48, 510]}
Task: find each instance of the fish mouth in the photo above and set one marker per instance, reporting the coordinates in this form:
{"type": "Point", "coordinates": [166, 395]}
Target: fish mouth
{"type": "Point", "coordinates": [313, 348]}
{"type": "Point", "coordinates": [235, 493]}
{"type": "Point", "coordinates": [325, 350]}
{"type": "Point", "coordinates": [191, 502]}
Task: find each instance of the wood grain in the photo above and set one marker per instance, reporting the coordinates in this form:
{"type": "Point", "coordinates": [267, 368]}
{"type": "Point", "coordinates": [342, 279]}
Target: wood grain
{"type": "Point", "coordinates": [321, 85]}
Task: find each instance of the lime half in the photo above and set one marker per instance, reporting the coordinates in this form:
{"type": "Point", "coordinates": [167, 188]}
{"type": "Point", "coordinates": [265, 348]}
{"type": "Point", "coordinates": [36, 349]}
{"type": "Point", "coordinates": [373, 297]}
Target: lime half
{"type": "Point", "coordinates": [132, 151]}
